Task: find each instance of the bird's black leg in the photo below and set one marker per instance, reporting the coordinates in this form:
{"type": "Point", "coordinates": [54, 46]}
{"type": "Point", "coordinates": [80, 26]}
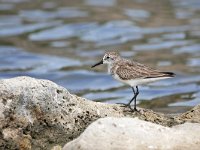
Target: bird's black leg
{"type": "Point", "coordinates": [135, 95]}
{"type": "Point", "coordinates": [128, 105]}
{"type": "Point", "coordinates": [134, 98]}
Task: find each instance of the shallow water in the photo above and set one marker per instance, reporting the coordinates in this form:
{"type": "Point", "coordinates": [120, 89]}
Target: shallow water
{"type": "Point", "coordinates": [60, 40]}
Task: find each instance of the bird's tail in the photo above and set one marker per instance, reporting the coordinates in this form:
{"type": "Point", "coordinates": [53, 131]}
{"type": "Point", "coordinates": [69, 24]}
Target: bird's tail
{"type": "Point", "coordinates": [168, 74]}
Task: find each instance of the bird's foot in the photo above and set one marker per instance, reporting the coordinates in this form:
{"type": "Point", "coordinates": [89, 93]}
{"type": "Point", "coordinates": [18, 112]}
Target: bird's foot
{"type": "Point", "coordinates": [134, 109]}
{"type": "Point", "coordinates": [129, 106]}
{"type": "Point", "coordinates": [123, 104]}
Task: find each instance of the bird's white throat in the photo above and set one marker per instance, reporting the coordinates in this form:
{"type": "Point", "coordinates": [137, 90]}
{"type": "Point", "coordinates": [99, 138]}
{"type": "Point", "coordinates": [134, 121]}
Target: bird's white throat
{"type": "Point", "coordinates": [109, 68]}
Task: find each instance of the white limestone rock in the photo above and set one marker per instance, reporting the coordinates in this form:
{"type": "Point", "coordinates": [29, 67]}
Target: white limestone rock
{"type": "Point", "coordinates": [134, 134]}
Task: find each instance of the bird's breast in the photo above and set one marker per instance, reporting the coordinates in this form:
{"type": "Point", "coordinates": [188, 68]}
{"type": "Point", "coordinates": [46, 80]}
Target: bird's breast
{"type": "Point", "coordinates": [112, 72]}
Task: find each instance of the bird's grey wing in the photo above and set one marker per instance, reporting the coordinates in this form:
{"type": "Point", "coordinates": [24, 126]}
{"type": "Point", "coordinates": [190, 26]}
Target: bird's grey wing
{"type": "Point", "coordinates": [133, 70]}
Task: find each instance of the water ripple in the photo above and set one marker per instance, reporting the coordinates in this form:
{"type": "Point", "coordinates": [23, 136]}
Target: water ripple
{"type": "Point", "coordinates": [22, 29]}
{"type": "Point", "coordinates": [41, 15]}
{"type": "Point", "coordinates": [62, 32]}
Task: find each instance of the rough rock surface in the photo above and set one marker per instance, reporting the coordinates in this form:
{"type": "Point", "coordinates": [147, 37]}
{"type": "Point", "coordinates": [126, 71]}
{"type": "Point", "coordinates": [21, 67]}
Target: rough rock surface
{"type": "Point", "coordinates": [134, 134]}
{"type": "Point", "coordinates": [192, 115]}
{"type": "Point", "coordinates": [39, 114]}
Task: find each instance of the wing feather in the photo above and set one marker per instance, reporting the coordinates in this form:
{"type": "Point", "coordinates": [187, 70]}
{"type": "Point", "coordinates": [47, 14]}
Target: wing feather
{"type": "Point", "coordinates": [133, 70]}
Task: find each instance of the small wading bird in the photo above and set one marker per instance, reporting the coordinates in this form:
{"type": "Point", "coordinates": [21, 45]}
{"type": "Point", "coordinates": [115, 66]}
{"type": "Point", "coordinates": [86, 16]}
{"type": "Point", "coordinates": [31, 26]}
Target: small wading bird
{"type": "Point", "coordinates": [131, 73]}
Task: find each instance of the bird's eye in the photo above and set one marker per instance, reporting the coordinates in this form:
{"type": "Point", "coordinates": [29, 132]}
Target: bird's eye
{"type": "Point", "coordinates": [107, 57]}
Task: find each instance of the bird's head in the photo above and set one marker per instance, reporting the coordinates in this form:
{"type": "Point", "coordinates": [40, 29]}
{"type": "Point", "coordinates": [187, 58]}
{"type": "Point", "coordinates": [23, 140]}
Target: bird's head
{"type": "Point", "coordinates": [108, 58]}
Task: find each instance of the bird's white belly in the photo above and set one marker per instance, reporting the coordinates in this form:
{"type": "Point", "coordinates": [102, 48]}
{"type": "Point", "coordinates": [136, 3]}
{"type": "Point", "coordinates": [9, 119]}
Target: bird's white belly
{"type": "Point", "coordinates": [135, 82]}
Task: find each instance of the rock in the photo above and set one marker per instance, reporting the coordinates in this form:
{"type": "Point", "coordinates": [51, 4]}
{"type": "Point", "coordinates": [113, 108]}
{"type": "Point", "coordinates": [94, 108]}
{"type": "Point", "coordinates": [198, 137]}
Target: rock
{"type": "Point", "coordinates": [57, 147]}
{"type": "Point", "coordinates": [39, 114]}
{"type": "Point", "coordinates": [192, 115]}
{"type": "Point", "coordinates": [132, 133]}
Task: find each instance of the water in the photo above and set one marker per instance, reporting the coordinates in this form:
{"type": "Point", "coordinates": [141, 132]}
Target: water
{"type": "Point", "coordinates": [60, 40]}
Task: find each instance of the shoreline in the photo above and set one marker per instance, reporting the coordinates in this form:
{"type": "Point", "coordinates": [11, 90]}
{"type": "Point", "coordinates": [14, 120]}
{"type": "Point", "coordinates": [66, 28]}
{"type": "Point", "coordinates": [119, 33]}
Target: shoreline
{"type": "Point", "coordinates": [39, 114]}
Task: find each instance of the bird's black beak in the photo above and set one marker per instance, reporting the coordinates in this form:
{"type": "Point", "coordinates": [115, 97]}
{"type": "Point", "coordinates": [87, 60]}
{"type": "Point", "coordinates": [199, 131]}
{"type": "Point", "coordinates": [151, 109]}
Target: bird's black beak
{"type": "Point", "coordinates": [99, 63]}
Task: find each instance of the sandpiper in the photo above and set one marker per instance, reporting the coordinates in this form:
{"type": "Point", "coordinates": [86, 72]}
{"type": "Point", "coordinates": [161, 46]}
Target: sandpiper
{"type": "Point", "coordinates": [131, 73]}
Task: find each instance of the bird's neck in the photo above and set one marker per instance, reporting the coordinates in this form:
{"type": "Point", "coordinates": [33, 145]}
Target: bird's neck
{"type": "Point", "coordinates": [110, 68]}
